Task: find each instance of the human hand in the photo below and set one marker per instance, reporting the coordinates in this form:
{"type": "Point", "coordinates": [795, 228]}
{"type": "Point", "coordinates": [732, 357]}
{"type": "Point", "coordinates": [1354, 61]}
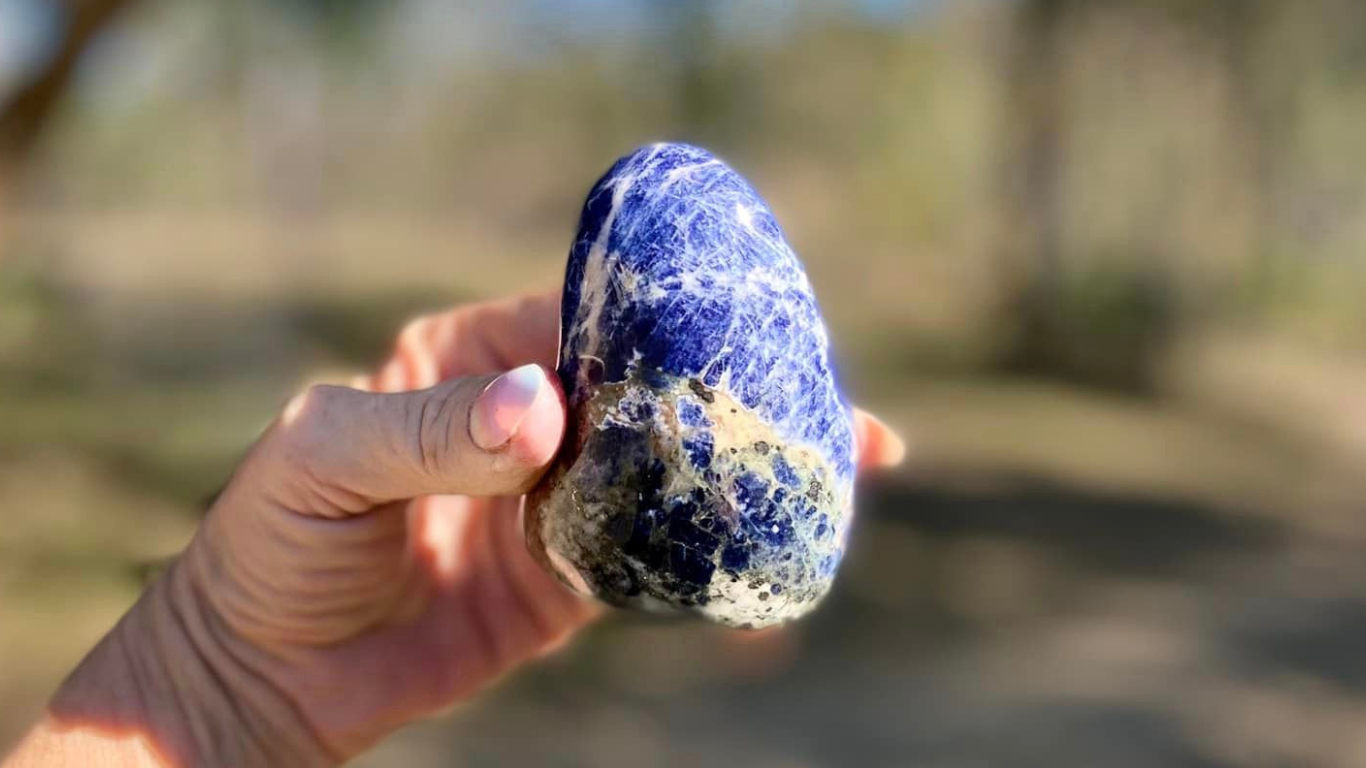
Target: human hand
{"type": "Point", "coordinates": [365, 566]}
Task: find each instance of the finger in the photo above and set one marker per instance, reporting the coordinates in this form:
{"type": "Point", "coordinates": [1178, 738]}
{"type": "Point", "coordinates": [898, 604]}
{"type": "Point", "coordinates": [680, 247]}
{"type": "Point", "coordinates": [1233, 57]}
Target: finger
{"type": "Point", "coordinates": [879, 446]}
{"type": "Point", "coordinates": [476, 549]}
{"type": "Point", "coordinates": [476, 339]}
{"type": "Point", "coordinates": [393, 378]}
{"type": "Point", "coordinates": [339, 451]}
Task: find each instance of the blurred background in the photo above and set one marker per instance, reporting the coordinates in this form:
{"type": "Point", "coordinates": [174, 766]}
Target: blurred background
{"type": "Point", "coordinates": [1102, 262]}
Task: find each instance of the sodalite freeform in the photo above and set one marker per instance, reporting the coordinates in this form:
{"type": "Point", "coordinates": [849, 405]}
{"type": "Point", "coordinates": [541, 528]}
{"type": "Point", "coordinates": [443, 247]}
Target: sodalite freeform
{"type": "Point", "coordinates": [709, 464]}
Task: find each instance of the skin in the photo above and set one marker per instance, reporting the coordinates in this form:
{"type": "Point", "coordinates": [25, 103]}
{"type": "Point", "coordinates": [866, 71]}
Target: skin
{"type": "Point", "coordinates": [363, 568]}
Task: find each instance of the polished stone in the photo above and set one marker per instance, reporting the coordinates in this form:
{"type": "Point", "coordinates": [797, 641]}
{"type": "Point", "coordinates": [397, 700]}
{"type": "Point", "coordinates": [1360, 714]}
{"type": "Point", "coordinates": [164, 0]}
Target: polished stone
{"type": "Point", "coordinates": [710, 457]}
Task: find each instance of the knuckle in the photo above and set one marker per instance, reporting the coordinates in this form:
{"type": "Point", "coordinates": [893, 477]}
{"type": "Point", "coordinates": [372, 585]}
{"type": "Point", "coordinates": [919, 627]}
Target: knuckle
{"type": "Point", "coordinates": [413, 337]}
{"type": "Point", "coordinates": [457, 326]}
{"type": "Point", "coordinates": [307, 414]}
{"type": "Point", "coordinates": [432, 421]}
{"type": "Point", "coordinates": [300, 451]}
{"type": "Point", "coordinates": [313, 455]}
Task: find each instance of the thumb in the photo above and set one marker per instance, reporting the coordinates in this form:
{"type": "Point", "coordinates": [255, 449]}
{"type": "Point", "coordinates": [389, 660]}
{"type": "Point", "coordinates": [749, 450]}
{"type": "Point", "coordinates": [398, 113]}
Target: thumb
{"type": "Point", "coordinates": [337, 450]}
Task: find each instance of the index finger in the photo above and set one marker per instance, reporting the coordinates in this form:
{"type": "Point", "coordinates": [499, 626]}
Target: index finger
{"type": "Point", "coordinates": [476, 339]}
{"type": "Point", "coordinates": [494, 336]}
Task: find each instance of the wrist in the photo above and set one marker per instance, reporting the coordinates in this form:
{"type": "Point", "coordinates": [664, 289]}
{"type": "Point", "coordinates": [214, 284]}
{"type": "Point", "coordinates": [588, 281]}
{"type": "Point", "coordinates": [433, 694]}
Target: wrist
{"type": "Point", "coordinates": [170, 674]}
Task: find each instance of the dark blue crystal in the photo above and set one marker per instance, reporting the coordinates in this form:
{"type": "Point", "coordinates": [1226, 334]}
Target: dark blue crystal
{"type": "Point", "coordinates": [710, 459]}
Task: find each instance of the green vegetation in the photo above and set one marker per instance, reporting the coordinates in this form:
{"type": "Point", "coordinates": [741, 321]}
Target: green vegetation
{"type": "Point", "coordinates": [1102, 261]}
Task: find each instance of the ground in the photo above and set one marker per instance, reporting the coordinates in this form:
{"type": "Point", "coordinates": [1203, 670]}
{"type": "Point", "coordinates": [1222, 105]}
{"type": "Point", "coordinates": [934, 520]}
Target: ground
{"type": "Point", "coordinates": [1058, 576]}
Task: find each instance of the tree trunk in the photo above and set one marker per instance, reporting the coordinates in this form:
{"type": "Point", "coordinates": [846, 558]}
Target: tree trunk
{"type": "Point", "coordinates": [1030, 183]}
{"type": "Point", "coordinates": [24, 116]}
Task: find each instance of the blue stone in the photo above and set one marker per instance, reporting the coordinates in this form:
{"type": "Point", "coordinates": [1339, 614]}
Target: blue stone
{"type": "Point", "coordinates": [709, 461]}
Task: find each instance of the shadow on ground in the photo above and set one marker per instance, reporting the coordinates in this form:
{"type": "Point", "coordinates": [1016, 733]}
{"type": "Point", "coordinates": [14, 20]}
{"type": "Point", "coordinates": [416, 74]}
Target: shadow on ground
{"type": "Point", "coordinates": [982, 618]}
{"type": "Point", "coordinates": [1002, 621]}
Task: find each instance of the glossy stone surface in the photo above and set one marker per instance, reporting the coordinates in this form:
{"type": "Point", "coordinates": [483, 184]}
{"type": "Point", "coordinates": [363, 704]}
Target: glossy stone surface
{"type": "Point", "coordinates": [709, 463]}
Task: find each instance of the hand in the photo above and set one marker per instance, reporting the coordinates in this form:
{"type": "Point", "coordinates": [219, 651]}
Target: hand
{"type": "Point", "coordinates": [339, 586]}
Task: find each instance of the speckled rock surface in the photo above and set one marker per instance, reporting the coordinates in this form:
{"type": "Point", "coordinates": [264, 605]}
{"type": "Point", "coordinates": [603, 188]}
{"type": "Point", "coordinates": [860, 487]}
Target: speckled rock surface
{"type": "Point", "coordinates": [709, 463]}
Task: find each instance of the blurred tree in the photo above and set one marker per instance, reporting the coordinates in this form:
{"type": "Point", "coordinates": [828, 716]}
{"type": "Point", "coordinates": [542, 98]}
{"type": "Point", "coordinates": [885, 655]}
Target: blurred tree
{"type": "Point", "coordinates": [706, 76]}
{"type": "Point", "coordinates": [1035, 112]}
{"type": "Point", "coordinates": [330, 10]}
{"type": "Point", "coordinates": [693, 47]}
{"type": "Point", "coordinates": [1050, 330]}
{"type": "Point", "coordinates": [28, 111]}
{"type": "Point", "coordinates": [342, 21]}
